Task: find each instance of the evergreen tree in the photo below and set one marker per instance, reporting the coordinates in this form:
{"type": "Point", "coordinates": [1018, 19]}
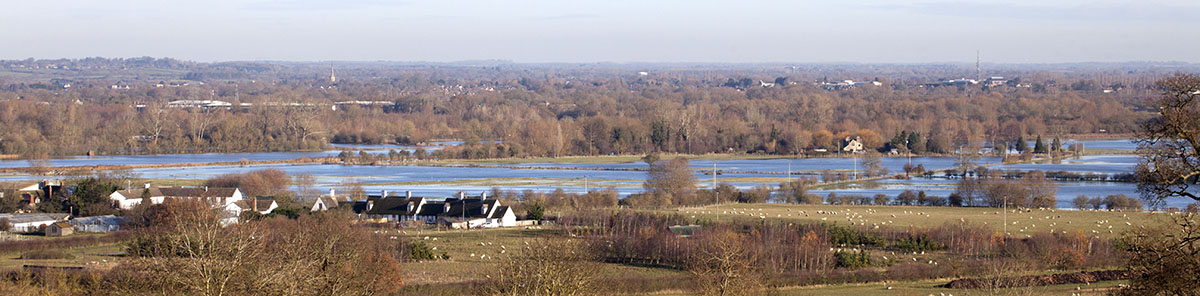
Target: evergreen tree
{"type": "Point", "coordinates": [1040, 146]}
{"type": "Point", "coordinates": [1021, 146]}
{"type": "Point", "coordinates": [916, 143]}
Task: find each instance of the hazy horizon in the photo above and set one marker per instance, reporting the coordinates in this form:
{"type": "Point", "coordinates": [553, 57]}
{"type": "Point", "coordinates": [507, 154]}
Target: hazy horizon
{"type": "Point", "coordinates": [626, 32]}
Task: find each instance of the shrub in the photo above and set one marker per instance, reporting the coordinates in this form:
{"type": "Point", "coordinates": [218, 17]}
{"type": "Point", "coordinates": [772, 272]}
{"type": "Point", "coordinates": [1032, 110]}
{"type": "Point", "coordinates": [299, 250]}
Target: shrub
{"type": "Point", "coordinates": [1068, 258]}
{"type": "Point", "coordinates": [843, 235]}
{"type": "Point", "coordinates": [955, 199]}
{"type": "Point", "coordinates": [418, 250]}
{"type": "Point", "coordinates": [881, 199]}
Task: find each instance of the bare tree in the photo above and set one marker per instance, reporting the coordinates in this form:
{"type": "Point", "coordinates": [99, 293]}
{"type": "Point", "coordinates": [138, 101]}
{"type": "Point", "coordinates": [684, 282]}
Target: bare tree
{"type": "Point", "coordinates": [562, 267]}
{"type": "Point", "coordinates": [674, 178]}
{"type": "Point", "coordinates": [1170, 164]}
{"type": "Point", "coordinates": [723, 265]}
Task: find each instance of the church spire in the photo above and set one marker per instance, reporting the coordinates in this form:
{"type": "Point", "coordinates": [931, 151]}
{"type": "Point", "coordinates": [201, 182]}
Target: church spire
{"type": "Point", "coordinates": [332, 78]}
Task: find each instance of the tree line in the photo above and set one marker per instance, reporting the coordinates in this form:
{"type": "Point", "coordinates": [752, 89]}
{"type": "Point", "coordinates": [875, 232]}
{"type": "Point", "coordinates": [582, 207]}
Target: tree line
{"type": "Point", "coordinates": [536, 113]}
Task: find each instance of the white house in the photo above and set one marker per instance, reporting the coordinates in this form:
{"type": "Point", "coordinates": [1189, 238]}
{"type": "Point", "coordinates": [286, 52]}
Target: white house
{"type": "Point", "coordinates": [853, 145]}
{"type": "Point", "coordinates": [233, 211]}
{"type": "Point", "coordinates": [219, 197]}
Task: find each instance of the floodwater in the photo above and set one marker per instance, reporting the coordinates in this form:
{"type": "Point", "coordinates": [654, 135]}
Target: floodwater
{"type": "Point", "coordinates": [625, 178]}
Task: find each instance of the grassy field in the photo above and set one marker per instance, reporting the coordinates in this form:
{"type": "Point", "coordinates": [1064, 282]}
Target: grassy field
{"type": "Point", "coordinates": [1021, 223]}
{"type": "Point", "coordinates": [475, 254]}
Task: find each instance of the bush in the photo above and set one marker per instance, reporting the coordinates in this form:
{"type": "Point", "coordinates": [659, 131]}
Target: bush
{"type": "Point", "coordinates": [955, 199]}
{"type": "Point", "coordinates": [418, 250]}
{"type": "Point", "coordinates": [846, 236]}
{"type": "Point", "coordinates": [881, 199]}
{"type": "Point", "coordinates": [47, 254]}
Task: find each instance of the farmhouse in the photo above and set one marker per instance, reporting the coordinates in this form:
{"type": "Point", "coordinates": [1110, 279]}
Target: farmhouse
{"type": "Point", "coordinates": [853, 145]}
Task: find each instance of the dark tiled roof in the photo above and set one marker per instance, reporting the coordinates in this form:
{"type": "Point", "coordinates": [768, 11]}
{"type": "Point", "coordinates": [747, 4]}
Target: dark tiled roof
{"type": "Point", "coordinates": [473, 208]}
{"type": "Point", "coordinates": [499, 213]}
{"type": "Point", "coordinates": [432, 209]}
{"type": "Point", "coordinates": [393, 205]}
{"type": "Point", "coordinates": [359, 207]}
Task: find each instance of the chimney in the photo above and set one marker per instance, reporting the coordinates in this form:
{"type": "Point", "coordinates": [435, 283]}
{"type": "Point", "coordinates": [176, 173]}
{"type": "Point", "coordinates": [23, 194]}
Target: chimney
{"type": "Point", "coordinates": [483, 195]}
{"type": "Point", "coordinates": [147, 185]}
{"type": "Point", "coordinates": [408, 194]}
{"type": "Point", "coordinates": [331, 195]}
{"type": "Point", "coordinates": [384, 193]}
{"type": "Point", "coordinates": [462, 195]}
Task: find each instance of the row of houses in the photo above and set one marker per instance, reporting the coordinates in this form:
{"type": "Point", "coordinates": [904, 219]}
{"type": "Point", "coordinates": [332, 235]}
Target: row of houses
{"type": "Point", "coordinates": [230, 200]}
{"type": "Point", "coordinates": [461, 212]}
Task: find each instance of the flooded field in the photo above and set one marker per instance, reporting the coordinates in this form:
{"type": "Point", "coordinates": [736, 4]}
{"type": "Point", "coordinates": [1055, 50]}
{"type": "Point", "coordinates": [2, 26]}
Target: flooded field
{"type": "Point", "coordinates": [624, 177]}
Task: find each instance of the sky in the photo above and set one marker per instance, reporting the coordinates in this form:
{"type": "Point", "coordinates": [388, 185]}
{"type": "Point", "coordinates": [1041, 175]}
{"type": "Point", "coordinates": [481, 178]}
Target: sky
{"type": "Point", "coordinates": [587, 31]}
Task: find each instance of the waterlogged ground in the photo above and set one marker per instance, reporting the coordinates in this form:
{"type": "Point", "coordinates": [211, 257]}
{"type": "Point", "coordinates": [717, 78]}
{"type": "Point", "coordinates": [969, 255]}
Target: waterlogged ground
{"type": "Point", "coordinates": [622, 174]}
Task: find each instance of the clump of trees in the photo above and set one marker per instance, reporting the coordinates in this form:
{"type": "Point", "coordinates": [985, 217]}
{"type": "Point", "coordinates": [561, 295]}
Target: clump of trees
{"type": "Point", "coordinates": [994, 189]}
{"type": "Point", "coordinates": [1112, 202]}
{"type": "Point", "coordinates": [314, 254]}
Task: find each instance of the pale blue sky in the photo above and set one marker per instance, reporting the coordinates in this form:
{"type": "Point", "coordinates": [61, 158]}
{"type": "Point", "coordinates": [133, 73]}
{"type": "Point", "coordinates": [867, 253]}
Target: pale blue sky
{"type": "Point", "coordinates": [869, 31]}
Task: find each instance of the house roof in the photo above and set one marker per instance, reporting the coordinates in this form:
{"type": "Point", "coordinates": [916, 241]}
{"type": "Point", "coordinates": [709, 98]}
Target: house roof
{"type": "Point", "coordinates": [255, 204]}
{"type": "Point", "coordinates": [197, 191]}
{"type": "Point", "coordinates": [136, 193]}
{"type": "Point", "coordinates": [473, 208]}
{"type": "Point", "coordinates": [499, 212]}
{"type": "Point", "coordinates": [62, 224]}
{"type": "Point", "coordinates": [329, 202]}
{"type": "Point", "coordinates": [432, 209]}
{"type": "Point", "coordinates": [393, 205]}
